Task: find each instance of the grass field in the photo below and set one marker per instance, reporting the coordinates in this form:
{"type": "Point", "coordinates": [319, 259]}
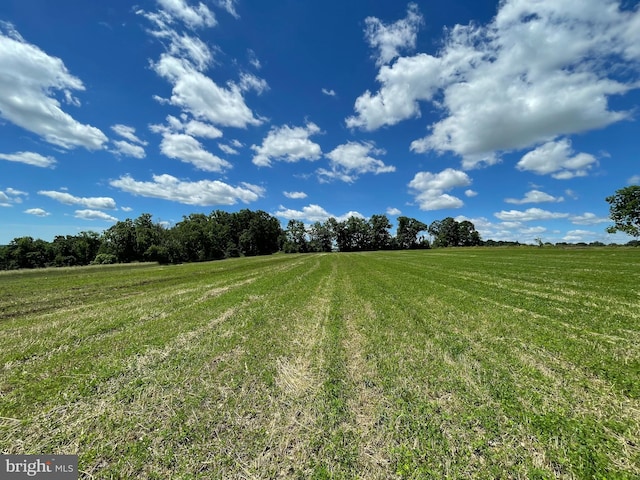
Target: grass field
{"type": "Point", "coordinates": [451, 363]}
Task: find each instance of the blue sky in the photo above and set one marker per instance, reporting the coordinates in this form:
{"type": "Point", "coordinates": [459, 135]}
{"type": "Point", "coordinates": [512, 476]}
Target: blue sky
{"type": "Point", "coordinates": [520, 115]}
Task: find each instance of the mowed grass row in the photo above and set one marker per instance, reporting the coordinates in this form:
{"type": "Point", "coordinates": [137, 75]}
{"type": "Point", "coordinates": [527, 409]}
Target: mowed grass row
{"type": "Point", "coordinates": [459, 363]}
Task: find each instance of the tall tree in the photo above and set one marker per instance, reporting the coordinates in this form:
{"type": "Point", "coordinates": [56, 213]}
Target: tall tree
{"type": "Point", "coordinates": [321, 237]}
{"type": "Point", "coordinates": [407, 232]}
{"type": "Point", "coordinates": [624, 210]}
{"type": "Point", "coordinates": [380, 237]}
{"type": "Point", "coordinates": [296, 235]}
{"type": "Point", "coordinates": [120, 240]}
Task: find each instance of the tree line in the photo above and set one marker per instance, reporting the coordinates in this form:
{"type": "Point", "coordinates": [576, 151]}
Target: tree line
{"type": "Point", "coordinates": [199, 237]}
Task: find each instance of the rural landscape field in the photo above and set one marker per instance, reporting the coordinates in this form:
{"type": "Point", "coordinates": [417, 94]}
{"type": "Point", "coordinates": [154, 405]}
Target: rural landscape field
{"type": "Point", "coordinates": [448, 363]}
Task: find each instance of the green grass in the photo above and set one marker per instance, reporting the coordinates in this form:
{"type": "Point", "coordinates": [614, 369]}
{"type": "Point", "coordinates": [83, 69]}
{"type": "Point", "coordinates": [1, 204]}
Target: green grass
{"type": "Point", "coordinates": [451, 363]}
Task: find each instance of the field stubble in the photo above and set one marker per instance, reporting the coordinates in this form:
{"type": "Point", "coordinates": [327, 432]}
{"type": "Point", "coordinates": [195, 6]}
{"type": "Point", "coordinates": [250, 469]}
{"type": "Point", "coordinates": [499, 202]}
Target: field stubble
{"type": "Point", "coordinates": [471, 363]}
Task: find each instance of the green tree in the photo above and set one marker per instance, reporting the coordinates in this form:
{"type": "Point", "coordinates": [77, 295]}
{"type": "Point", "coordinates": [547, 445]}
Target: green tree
{"type": "Point", "coordinates": [407, 232]}
{"type": "Point", "coordinates": [296, 237]}
{"type": "Point", "coordinates": [120, 240]}
{"type": "Point", "coordinates": [380, 237]}
{"type": "Point", "coordinates": [624, 210]}
{"type": "Point", "coordinates": [468, 236]}
{"type": "Point", "coordinates": [321, 237]}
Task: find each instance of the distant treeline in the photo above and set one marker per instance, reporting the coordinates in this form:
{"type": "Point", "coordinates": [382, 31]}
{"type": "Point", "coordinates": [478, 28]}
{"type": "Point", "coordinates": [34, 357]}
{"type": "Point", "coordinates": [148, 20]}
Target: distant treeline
{"type": "Point", "coordinates": [199, 237]}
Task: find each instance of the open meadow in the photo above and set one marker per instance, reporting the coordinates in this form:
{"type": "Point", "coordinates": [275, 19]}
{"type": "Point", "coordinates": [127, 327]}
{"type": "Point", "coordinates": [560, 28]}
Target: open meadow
{"type": "Point", "coordinates": [458, 363]}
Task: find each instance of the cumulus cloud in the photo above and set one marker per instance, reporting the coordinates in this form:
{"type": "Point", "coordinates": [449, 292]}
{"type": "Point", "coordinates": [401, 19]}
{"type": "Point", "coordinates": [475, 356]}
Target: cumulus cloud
{"type": "Point", "coordinates": [128, 133]}
{"type": "Point", "coordinates": [200, 96]}
{"type": "Point", "coordinates": [505, 231]}
{"type": "Point", "coordinates": [30, 158]}
{"type": "Point", "coordinates": [94, 215]}
{"type": "Point", "coordinates": [90, 202]}
{"type": "Point", "coordinates": [184, 63]}
{"type": "Point", "coordinates": [287, 144]}
{"type": "Point", "coordinates": [389, 40]}
{"type": "Point", "coordinates": [470, 193]}
{"type": "Point", "coordinates": [429, 188]}
{"type": "Point", "coordinates": [123, 147]}
{"type": "Point", "coordinates": [529, 215]}
{"type": "Point", "coordinates": [573, 236]}
{"type": "Point", "coordinates": [189, 150]}
{"type": "Point", "coordinates": [534, 196]}
{"type": "Point", "coordinates": [329, 92]}
{"type": "Point", "coordinates": [313, 213]}
{"type": "Point", "coordinates": [393, 211]}
{"type": "Point", "coordinates": [352, 159]}
{"type": "Point", "coordinates": [588, 218]}
{"type": "Point", "coordinates": [202, 193]}
{"type": "Point", "coordinates": [538, 71]}
{"type": "Point", "coordinates": [227, 149]}
{"type": "Point", "coordinates": [557, 159]}
{"type": "Point", "coordinates": [29, 81]}
{"type": "Point", "coordinates": [295, 195]}
{"type": "Point", "coordinates": [635, 180]}
{"type": "Point", "coordinates": [38, 212]}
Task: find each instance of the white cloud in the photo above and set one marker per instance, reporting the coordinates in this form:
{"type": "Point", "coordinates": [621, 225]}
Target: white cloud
{"type": "Point", "coordinates": [470, 193]}
{"type": "Point", "coordinates": [295, 195]}
{"type": "Point", "coordinates": [11, 196]}
{"type": "Point", "coordinates": [193, 17]}
{"type": "Point", "coordinates": [287, 144]}
{"type": "Point", "coordinates": [202, 193]}
{"type": "Point", "coordinates": [330, 93]}
{"type": "Point", "coordinates": [505, 231]}
{"type": "Point", "coordinates": [534, 196]}
{"type": "Point", "coordinates": [313, 213]}
{"type": "Point", "coordinates": [230, 7]}
{"type": "Point", "coordinates": [533, 230]}
{"type": "Point", "coordinates": [197, 94]}
{"type": "Point", "coordinates": [352, 159]}
{"type": "Point", "coordinates": [128, 149]}
{"type": "Point", "coordinates": [94, 215]}
{"type": "Point", "coordinates": [29, 80]}
{"type": "Point", "coordinates": [253, 59]}
{"type": "Point", "coordinates": [408, 80]}
{"type": "Point", "coordinates": [227, 149]}
{"type": "Point", "coordinates": [201, 129]}
{"type": "Point", "coordinates": [251, 82]}
{"type": "Point", "coordinates": [184, 64]}
{"type": "Point", "coordinates": [189, 150]}
{"type": "Point", "coordinates": [38, 212]}
{"type": "Point", "coordinates": [393, 211]}
{"type": "Point", "coordinates": [390, 39]}
{"type": "Point", "coordinates": [128, 133]}
{"type": "Point", "coordinates": [573, 236]}
{"type": "Point", "coordinates": [557, 159]}
{"type": "Point", "coordinates": [571, 194]}
{"type": "Point", "coordinates": [30, 158]}
{"type": "Point", "coordinates": [429, 188]}
{"type": "Point", "coordinates": [193, 128]}
{"type": "Point", "coordinates": [635, 180]}
{"type": "Point", "coordinates": [538, 71]}
{"type": "Point", "coordinates": [90, 202]}
{"type": "Point", "coordinates": [529, 215]}
{"type": "Point", "coordinates": [588, 218]}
